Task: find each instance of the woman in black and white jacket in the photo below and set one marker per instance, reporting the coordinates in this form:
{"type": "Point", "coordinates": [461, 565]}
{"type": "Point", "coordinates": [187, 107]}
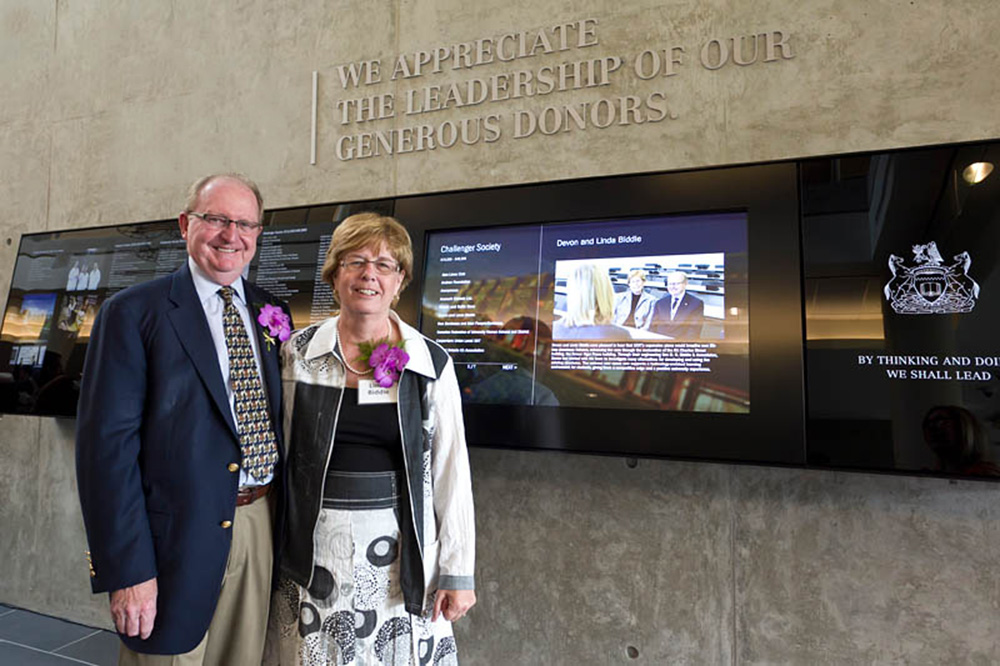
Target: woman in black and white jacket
{"type": "Point", "coordinates": [379, 538]}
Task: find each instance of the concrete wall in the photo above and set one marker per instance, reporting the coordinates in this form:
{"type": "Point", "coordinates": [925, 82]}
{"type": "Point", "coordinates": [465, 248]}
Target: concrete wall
{"type": "Point", "coordinates": [110, 108]}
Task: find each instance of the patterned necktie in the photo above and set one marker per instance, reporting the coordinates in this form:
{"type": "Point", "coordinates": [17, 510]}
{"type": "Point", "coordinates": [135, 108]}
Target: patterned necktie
{"type": "Point", "coordinates": [673, 307]}
{"type": "Point", "coordinates": [252, 420]}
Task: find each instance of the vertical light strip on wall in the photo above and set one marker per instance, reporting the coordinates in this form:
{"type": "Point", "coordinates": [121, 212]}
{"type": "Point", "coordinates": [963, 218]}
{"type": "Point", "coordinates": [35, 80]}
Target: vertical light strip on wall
{"type": "Point", "coordinates": [312, 151]}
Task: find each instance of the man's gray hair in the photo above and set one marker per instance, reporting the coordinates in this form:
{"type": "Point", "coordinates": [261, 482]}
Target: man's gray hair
{"type": "Point", "coordinates": [194, 192]}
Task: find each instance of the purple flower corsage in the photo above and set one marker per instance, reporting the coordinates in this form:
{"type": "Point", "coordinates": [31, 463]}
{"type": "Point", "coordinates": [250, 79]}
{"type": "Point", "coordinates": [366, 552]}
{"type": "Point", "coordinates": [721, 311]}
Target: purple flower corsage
{"type": "Point", "coordinates": [388, 361]}
{"type": "Point", "coordinates": [277, 325]}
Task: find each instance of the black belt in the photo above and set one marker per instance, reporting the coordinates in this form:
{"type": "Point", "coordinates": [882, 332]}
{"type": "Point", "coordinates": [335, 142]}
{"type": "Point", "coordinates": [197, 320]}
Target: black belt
{"type": "Point", "coordinates": [362, 490]}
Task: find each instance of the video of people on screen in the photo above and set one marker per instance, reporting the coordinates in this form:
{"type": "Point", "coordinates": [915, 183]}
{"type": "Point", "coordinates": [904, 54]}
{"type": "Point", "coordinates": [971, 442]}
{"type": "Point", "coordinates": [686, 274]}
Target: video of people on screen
{"type": "Point", "coordinates": [645, 313]}
{"type": "Point", "coordinates": [84, 275]}
{"type": "Point", "coordinates": [680, 297]}
{"type": "Point", "coordinates": [74, 311]}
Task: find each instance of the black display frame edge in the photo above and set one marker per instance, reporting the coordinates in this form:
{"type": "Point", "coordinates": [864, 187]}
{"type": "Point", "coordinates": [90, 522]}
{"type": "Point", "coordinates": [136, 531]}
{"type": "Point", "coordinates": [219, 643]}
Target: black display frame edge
{"type": "Point", "coordinates": [773, 431]}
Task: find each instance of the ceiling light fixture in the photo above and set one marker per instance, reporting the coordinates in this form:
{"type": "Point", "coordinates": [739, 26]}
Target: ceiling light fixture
{"type": "Point", "coordinates": [977, 172]}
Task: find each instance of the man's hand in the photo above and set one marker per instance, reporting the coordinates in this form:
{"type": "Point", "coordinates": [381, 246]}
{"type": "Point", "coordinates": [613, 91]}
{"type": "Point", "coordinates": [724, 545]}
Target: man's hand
{"type": "Point", "coordinates": [134, 609]}
{"type": "Point", "coordinates": [453, 604]}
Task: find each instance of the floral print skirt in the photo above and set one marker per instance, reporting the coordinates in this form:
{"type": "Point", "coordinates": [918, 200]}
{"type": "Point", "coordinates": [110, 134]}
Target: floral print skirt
{"type": "Point", "coordinates": [353, 611]}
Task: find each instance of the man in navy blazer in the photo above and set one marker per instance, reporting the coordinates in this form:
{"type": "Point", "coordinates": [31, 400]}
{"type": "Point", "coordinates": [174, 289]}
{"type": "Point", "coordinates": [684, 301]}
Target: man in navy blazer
{"type": "Point", "coordinates": [180, 533]}
{"type": "Point", "coordinates": [679, 314]}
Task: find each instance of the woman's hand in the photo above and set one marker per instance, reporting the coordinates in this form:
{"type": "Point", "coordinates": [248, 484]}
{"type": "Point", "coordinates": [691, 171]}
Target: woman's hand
{"type": "Point", "coordinates": [453, 604]}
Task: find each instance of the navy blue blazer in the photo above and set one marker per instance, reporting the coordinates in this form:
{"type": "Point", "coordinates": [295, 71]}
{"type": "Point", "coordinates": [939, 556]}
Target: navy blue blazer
{"type": "Point", "coordinates": [154, 440]}
{"type": "Point", "coordinates": [687, 321]}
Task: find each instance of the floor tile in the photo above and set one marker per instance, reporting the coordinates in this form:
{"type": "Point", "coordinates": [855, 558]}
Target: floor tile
{"type": "Point", "coordinates": [100, 649]}
{"type": "Point", "coordinates": [39, 631]}
{"type": "Point", "coordinates": [22, 656]}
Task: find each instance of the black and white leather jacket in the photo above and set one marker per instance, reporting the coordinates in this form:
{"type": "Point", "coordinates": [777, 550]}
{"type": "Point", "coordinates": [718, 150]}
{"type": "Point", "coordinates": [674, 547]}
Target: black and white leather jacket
{"type": "Point", "coordinates": [437, 525]}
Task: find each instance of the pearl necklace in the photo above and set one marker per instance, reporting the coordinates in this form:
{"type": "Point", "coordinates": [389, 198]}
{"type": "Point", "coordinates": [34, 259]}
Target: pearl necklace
{"type": "Point", "coordinates": [336, 342]}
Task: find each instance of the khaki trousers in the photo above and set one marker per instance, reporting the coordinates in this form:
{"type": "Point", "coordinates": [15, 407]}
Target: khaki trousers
{"type": "Point", "coordinates": [236, 633]}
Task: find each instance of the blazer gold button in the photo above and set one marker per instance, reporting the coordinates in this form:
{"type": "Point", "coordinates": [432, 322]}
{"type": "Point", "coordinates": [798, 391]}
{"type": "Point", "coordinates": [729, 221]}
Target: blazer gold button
{"type": "Point", "coordinates": [226, 524]}
{"type": "Point", "coordinates": [233, 467]}
{"type": "Point", "coordinates": [93, 574]}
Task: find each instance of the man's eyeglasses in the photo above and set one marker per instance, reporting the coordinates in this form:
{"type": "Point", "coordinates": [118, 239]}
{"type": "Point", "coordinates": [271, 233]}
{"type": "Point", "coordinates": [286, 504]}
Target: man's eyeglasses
{"type": "Point", "coordinates": [382, 266]}
{"type": "Point", "coordinates": [221, 222]}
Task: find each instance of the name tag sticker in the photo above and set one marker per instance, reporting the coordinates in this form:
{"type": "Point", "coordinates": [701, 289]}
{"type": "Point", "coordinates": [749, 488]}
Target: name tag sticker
{"type": "Point", "coordinates": [370, 393]}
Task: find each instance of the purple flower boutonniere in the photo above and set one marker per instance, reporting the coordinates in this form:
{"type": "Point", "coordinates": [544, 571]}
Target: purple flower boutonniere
{"type": "Point", "coordinates": [277, 325]}
{"type": "Point", "coordinates": [386, 358]}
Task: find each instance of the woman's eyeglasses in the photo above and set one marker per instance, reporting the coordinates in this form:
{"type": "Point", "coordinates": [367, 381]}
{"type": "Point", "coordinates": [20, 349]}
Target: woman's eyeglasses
{"type": "Point", "coordinates": [382, 266]}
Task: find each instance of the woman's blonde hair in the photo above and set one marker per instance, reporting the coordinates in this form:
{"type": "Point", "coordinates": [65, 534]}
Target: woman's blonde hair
{"type": "Point", "coordinates": [589, 297]}
{"type": "Point", "coordinates": [368, 230]}
{"type": "Point", "coordinates": [636, 272]}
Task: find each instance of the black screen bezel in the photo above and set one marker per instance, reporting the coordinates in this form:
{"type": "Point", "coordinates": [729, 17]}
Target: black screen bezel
{"type": "Point", "coordinates": [773, 431]}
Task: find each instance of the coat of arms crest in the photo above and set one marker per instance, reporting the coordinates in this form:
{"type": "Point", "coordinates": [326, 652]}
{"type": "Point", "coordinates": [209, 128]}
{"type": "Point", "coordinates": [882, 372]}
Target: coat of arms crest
{"type": "Point", "coordinates": [930, 287]}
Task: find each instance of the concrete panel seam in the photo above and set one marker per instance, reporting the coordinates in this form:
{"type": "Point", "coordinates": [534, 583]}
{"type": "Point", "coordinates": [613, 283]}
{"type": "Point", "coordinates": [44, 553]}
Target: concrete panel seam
{"type": "Point", "coordinates": [55, 28]}
{"type": "Point", "coordinates": [734, 623]}
{"type": "Point", "coordinates": [48, 194]}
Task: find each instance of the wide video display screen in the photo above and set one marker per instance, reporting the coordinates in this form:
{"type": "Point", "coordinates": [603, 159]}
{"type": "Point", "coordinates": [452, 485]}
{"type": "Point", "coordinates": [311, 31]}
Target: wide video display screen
{"type": "Point", "coordinates": [61, 279]}
{"type": "Point", "coordinates": [902, 282]}
{"type": "Point", "coordinates": [646, 313]}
